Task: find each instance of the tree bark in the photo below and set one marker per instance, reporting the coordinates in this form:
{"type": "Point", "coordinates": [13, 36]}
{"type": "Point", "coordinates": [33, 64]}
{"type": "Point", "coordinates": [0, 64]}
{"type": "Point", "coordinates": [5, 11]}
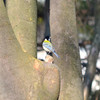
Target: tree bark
{"type": "Point", "coordinates": [23, 77]}
{"type": "Point", "coordinates": [64, 38]}
{"type": "Point", "coordinates": [23, 18]}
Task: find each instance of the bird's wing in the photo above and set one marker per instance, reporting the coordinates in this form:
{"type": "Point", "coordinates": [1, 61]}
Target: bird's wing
{"type": "Point", "coordinates": [48, 46]}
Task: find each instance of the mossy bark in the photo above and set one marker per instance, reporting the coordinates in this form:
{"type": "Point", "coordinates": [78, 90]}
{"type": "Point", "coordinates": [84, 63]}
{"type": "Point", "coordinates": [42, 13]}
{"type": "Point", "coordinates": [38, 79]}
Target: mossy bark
{"type": "Point", "coordinates": [23, 18]}
{"type": "Point", "coordinates": [23, 77]}
{"type": "Point", "coordinates": [65, 42]}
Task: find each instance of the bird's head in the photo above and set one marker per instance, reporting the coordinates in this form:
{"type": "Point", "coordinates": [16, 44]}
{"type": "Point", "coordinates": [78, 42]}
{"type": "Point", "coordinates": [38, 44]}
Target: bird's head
{"type": "Point", "coordinates": [48, 38]}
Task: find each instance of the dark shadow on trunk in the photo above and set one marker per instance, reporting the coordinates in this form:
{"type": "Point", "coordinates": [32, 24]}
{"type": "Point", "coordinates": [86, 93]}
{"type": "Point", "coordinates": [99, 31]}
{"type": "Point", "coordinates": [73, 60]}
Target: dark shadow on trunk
{"type": "Point", "coordinates": [4, 2]}
{"type": "Point", "coordinates": [47, 15]}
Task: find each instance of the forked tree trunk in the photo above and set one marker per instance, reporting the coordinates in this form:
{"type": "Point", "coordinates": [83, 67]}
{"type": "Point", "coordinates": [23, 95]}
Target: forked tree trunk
{"type": "Point", "coordinates": [23, 77]}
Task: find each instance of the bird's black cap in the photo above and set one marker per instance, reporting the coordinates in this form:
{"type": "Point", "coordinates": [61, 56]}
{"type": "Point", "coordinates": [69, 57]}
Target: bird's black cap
{"type": "Point", "coordinates": [48, 38]}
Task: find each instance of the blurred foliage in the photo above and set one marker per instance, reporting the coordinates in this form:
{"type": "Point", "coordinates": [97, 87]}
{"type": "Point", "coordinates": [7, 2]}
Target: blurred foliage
{"type": "Point", "coordinates": [85, 18]}
{"type": "Point", "coordinates": [40, 20]}
{"type": "Point", "coordinates": [83, 5]}
{"type": "Point", "coordinates": [40, 10]}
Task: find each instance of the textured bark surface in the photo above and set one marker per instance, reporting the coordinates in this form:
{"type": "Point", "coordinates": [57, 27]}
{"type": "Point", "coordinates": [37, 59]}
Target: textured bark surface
{"type": "Point", "coordinates": [23, 77]}
{"type": "Point", "coordinates": [93, 53]}
{"type": "Point", "coordinates": [64, 38]}
{"type": "Point", "coordinates": [23, 17]}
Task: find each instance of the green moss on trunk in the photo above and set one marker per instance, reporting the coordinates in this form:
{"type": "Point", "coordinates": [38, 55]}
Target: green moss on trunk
{"type": "Point", "coordinates": [23, 18]}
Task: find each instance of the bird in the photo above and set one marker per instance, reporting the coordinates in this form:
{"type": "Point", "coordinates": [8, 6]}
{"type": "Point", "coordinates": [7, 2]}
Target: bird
{"type": "Point", "coordinates": [47, 46]}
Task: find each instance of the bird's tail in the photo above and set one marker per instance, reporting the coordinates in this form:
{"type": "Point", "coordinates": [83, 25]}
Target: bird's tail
{"type": "Point", "coordinates": [56, 54]}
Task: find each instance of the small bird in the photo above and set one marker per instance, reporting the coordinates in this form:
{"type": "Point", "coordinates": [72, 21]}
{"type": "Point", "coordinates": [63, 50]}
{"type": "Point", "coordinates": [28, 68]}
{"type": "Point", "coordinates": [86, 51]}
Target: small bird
{"type": "Point", "coordinates": [47, 46]}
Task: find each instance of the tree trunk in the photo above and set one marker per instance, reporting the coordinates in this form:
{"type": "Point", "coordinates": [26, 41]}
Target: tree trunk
{"type": "Point", "coordinates": [23, 18]}
{"type": "Point", "coordinates": [23, 77]}
{"type": "Point", "coordinates": [64, 38]}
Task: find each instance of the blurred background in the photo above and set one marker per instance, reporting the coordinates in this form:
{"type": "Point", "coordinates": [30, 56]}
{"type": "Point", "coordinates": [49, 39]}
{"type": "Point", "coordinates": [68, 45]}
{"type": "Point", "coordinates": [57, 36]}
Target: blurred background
{"type": "Point", "coordinates": [88, 41]}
